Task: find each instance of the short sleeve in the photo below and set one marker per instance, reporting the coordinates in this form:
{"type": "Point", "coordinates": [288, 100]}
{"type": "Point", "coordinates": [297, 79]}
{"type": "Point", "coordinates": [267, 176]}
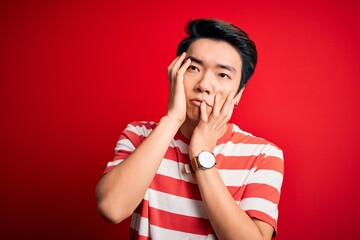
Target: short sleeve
{"type": "Point", "coordinates": [262, 194]}
{"type": "Point", "coordinates": [128, 141]}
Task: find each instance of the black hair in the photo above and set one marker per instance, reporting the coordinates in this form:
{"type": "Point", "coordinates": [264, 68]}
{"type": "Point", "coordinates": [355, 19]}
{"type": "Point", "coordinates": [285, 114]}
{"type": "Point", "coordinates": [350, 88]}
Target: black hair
{"type": "Point", "coordinates": [223, 31]}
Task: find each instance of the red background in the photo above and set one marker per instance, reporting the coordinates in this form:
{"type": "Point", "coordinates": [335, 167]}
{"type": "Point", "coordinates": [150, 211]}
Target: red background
{"type": "Point", "coordinates": [74, 73]}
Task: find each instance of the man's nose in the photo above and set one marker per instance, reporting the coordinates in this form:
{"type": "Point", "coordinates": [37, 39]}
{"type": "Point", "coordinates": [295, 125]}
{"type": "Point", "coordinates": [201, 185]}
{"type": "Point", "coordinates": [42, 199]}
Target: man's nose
{"type": "Point", "coordinates": [205, 84]}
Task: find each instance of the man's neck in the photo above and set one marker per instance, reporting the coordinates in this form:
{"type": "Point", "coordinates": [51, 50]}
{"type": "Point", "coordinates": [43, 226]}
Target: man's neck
{"type": "Point", "coordinates": [188, 127]}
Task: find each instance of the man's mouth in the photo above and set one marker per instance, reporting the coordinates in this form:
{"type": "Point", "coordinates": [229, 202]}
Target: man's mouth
{"type": "Point", "coordinates": [197, 102]}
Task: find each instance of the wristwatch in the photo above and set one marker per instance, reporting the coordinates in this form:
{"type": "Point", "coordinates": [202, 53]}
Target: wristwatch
{"type": "Point", "coordinates": [205, 160]}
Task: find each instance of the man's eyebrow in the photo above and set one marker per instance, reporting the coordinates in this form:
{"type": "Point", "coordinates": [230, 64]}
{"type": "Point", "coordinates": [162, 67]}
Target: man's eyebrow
{"type": "Point", "coordinates": [194, 59]}
{"type": "Point", "coordinates": [227, 67]}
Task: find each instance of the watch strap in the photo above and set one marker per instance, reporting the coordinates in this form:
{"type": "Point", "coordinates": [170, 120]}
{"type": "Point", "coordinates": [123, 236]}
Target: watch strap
{"type": "Point", "coordinates": [194, 164]}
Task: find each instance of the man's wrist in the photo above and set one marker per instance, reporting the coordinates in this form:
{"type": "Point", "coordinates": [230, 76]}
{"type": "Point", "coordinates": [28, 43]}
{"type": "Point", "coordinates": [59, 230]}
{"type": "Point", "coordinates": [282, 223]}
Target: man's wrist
{"type": "Point", "coordinates": [204, 160]}
{"type": "Point", "coordinates": [171, 122]}
{"type": "Point", "coordinates": [173, 117]}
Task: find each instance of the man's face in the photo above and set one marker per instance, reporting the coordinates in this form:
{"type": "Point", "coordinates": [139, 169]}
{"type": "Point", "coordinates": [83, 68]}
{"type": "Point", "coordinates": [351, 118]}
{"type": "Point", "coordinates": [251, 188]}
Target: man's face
{"type": "Point", "coordinates": [215, 68]}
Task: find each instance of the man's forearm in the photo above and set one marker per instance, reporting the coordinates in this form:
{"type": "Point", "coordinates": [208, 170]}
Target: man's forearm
{"type": "Point", "coordinates": [120, 191]}
{"type": "Point", "coordinates": [227, 218]}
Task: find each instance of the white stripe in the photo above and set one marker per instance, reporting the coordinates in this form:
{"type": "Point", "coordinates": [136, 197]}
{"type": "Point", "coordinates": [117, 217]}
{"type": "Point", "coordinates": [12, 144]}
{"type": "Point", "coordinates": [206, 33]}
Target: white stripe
{"type": "Point", "coordinates": [261, 205]}
{"type": "Point", "coordinates": [175, 204]}
{"type": "Point", "coordinates": [163, 233]}
{"type": "Point", "coordinates": [183, 147]}
{"type": "Point", "coordinates": [139, 130]}
{"type": "Point", "coordinates": [275, 152]}
{"type": "Point", "coordinates": [247, 149]}
{"type": "Point", "coordinates": [124, 144]}
{"type": "Point", "coordinates": [236, 178]}
{"type": "Point", "coordinates": [239, 149]}
{"type": "Point", "coordinates": [175, 170]}
{"type": "Point", "coordinates": [140, 224]}
{"type": "Point", "coordinates": [268, 177]}
{"type": "Point", "coordinates": [237, 129]}
{"type": "Point", "coordinates": [114, 163]}
{"type": "Point", "coordinates": [143, 131]}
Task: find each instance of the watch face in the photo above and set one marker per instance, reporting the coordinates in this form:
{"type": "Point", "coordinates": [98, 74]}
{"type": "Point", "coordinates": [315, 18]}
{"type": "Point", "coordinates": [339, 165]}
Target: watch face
{"type": "Point", "coordinates": [207, 159]}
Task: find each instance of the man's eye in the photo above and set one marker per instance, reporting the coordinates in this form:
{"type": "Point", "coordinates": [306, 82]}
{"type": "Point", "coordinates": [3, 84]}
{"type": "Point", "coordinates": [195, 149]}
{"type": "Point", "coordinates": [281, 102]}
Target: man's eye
{"type": "Point", "coordinates": [193, 68]}
{"type": "Point", "coordinates": [223, 75]}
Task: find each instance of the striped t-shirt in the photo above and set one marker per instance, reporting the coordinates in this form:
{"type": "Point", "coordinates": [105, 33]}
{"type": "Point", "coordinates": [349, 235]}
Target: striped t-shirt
{"type": "Point", "coordinates": [172, 208]}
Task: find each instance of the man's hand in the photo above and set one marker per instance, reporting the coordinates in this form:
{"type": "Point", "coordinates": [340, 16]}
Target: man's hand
{"type": "Point", "coordinates": [177, 99]}
{"type": "Point", "coordinates": [210, 128]}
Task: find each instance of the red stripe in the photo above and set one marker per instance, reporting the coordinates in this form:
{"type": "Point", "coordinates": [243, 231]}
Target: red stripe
{"type": "Point", "coordinates": [175, 187]}
{"type": "Point", "coordinates": [238, 137]}
{"type": "Point", "coordinates": [262, 191]}
{"type": "Point", "coordinates": [133, 137]}
{"type": "Point", "coordinates": [142, 209]}
{"type": "Point", "coordinates": [272, 163]}
{"type": "Point", "coordinates": [173, 221]}
{"type": "Point", "coordinates": [236, 192]}
{"type": "Point", "coordinates": [178, 222]}
{"type": "Point", "coordinates": [107, 169]}
{"type": "Point", "coordinates": [174, 154]}
{"type": "Point", "coordinates": [121, 155]}
{"type": "Point", "coordinates": [236, 162]}
{"type": "Point", "coordinates": [249, 162]}
{"type": "Point", "coordinates": [147, 125]}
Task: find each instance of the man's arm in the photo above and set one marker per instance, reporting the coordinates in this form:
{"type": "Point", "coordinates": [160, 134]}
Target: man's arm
{"type": "Point", "coordinates": [120, 191]}
{"type": "Point", "coordinates": [227, 218]}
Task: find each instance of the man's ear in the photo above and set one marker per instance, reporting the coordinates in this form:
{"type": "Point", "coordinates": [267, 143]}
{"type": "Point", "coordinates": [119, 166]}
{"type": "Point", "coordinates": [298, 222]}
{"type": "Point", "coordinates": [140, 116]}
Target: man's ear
{"type": "Point", "coordinates": [238, 96]}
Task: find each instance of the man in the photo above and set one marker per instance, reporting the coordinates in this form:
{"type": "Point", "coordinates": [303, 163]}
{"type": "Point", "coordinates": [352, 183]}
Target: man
{"type": "Point", "coordinates": [193, 175]}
